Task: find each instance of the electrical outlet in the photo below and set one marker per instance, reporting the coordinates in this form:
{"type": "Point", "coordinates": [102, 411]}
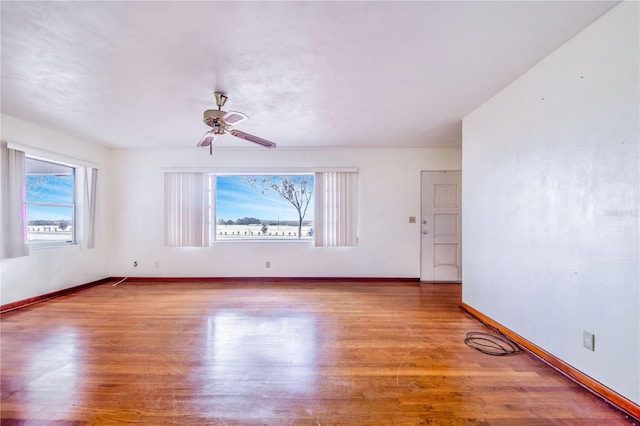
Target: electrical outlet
{"type": "Point", "coordinates": [588, 340]}
{"type": "Point", "coordinates": [267, 264]}
{"type": "Point", "coordinates": [135, 264]}
{"type": "Point", "coordinates": [412, 219]}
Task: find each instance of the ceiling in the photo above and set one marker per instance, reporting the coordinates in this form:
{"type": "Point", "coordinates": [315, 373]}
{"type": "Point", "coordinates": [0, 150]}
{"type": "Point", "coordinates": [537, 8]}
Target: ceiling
{"type": "Point", "coordinates": [138, 75]}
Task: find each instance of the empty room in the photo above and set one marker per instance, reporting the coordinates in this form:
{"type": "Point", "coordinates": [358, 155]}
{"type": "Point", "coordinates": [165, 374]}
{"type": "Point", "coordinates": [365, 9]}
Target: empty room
{"type": "Point", "coordinates": [320, 213]}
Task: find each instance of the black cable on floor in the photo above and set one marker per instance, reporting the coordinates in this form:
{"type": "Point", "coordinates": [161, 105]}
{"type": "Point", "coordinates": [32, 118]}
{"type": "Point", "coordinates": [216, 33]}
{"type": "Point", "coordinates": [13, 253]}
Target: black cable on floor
{"type": "Point", "coordinates": [491, 344]}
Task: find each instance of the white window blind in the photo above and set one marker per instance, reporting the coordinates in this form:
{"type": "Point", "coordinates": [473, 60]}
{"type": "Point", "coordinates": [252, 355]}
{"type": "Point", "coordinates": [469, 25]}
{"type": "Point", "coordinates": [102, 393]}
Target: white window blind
{"type": "Point", "coordinates": [14, 239]}
{"type": "Point", "coordinates": [185, 210]}
{"type": "Point", "coordinates": [336, 201]}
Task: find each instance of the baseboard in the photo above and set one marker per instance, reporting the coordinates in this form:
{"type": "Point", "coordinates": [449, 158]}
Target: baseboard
{"type": "Point", "coordinates": [37, 299]}
{"type": "Point", "coordinates": [620, 402]}
{"type": "Point", "coordinates": [369, 280]}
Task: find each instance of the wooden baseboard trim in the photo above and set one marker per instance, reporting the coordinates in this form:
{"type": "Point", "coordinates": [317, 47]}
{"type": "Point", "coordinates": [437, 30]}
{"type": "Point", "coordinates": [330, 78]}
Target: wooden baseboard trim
{"type": "Point", "coordinates": [369, 280]}
{"type": "Point", "coordinates": [618, 401]}
{"type": "Point", "coordinates": [37, 299]}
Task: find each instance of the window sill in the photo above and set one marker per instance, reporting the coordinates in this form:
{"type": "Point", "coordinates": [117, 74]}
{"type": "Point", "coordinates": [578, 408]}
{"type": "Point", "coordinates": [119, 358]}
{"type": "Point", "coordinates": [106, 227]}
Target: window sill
{"type": "Point", "coordinates": [263, 241]}
{"type": "Point", "coordinates": [41, 246]}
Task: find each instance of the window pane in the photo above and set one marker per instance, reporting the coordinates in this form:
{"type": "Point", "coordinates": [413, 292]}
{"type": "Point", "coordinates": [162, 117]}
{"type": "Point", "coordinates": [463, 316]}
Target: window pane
{"type": "Point", "coordinates": [56, 189]}
{"type": "Point", "coordinates": [264, 207]}
{"type": "Point", "coordinates": [48, 224]}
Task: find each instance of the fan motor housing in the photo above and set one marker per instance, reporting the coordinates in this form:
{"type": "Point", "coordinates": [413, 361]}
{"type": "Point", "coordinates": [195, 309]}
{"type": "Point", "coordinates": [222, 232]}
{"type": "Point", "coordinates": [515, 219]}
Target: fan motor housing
{"type": "Point", "coordinates": [213, 117]}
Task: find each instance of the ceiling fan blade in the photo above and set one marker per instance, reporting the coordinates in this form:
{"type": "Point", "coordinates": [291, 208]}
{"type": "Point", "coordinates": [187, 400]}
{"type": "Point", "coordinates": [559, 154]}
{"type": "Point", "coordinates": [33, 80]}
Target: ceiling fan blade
{"type": "Point", "coordinates": [251, 138]}
{"type": "Point", "coordinates": [234, 117]}
{"type": "Point", "coordinates": [207, 139]}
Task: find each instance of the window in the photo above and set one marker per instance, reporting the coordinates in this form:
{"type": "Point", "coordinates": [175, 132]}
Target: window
{"type": "Point", "coordinates": [318, 207]}
{"type": "Point", "coordinates": [263, 207]}
{"type": "Point", "coordinates": [50, 202]}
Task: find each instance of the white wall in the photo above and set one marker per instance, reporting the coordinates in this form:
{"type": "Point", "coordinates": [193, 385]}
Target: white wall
{"type": "Point", "coordinates": [551, 195]}
{"type": "Point", "coordinates": [50, 269]}
{"type": "Point", "coordinates": [389, 192]}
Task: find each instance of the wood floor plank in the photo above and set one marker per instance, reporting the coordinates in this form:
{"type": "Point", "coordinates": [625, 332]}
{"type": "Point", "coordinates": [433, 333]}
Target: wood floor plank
{"type": "Point", "coordinates": [272, 353]}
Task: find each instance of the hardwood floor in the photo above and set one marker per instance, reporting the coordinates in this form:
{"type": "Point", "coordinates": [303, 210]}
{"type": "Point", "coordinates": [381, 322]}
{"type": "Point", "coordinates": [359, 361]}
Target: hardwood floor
{"type": "Point", "coordinates": [269, 353]}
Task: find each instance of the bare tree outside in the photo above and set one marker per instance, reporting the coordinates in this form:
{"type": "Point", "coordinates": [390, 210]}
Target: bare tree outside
{"type": "Point", "coordinates": [297, 190]}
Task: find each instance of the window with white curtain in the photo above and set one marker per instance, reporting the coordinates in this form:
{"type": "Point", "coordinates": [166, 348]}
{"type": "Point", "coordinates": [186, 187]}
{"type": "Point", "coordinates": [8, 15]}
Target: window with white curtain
{"type": "Point", "coordinates": [323, 207]}
{"type": "Point", "coordinates": [47, 200]}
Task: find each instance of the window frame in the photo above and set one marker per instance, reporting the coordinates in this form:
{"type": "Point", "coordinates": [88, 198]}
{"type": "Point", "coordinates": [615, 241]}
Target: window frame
{"type": "Point", "coordinates": [74, 205]}
{"type": "Point", "coordinates": [212, 205]}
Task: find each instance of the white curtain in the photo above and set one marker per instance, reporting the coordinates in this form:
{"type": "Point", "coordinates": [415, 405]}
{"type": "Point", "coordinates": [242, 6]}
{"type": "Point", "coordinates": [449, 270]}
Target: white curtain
{"type": "Point", "coordinates": [335, 211]}
{"type": "Point", "coordinates": [14, 212]}
{"type": "Point", "coordinates": [87, 182]}
{"type": "Point", "coordinates": [185, 210]}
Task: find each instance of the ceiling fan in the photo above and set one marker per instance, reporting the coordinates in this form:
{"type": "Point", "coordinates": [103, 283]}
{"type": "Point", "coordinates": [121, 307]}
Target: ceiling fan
{"type": "Point", "coordinates": [222, 122]}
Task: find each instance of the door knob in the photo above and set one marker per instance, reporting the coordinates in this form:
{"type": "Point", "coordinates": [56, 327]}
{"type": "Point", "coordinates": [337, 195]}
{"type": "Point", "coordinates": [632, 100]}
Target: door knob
{"type": "Point", "coordinates": [425, 232]}
{"type": "Point", "coordinates": [424, 222]}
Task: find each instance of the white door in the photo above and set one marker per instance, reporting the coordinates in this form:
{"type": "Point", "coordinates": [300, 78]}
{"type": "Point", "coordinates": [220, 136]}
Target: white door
{"type": "Point", "coordinates": [440, 226]}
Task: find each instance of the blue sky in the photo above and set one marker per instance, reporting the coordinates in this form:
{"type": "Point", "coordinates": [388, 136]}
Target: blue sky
{"type": "Point", "coordinates": [235, 199]}
{"type": "Point", "coordinates": [49, 189]}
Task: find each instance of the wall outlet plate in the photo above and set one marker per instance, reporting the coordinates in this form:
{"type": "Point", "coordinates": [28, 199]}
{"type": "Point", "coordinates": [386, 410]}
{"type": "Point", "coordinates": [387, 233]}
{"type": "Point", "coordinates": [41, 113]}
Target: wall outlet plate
{"type": "Point", "coordinates": [588, 340]}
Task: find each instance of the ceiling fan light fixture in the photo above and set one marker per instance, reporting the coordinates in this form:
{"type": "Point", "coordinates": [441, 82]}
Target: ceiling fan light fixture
{"type": "Point", "coordinates": [222, 122]}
